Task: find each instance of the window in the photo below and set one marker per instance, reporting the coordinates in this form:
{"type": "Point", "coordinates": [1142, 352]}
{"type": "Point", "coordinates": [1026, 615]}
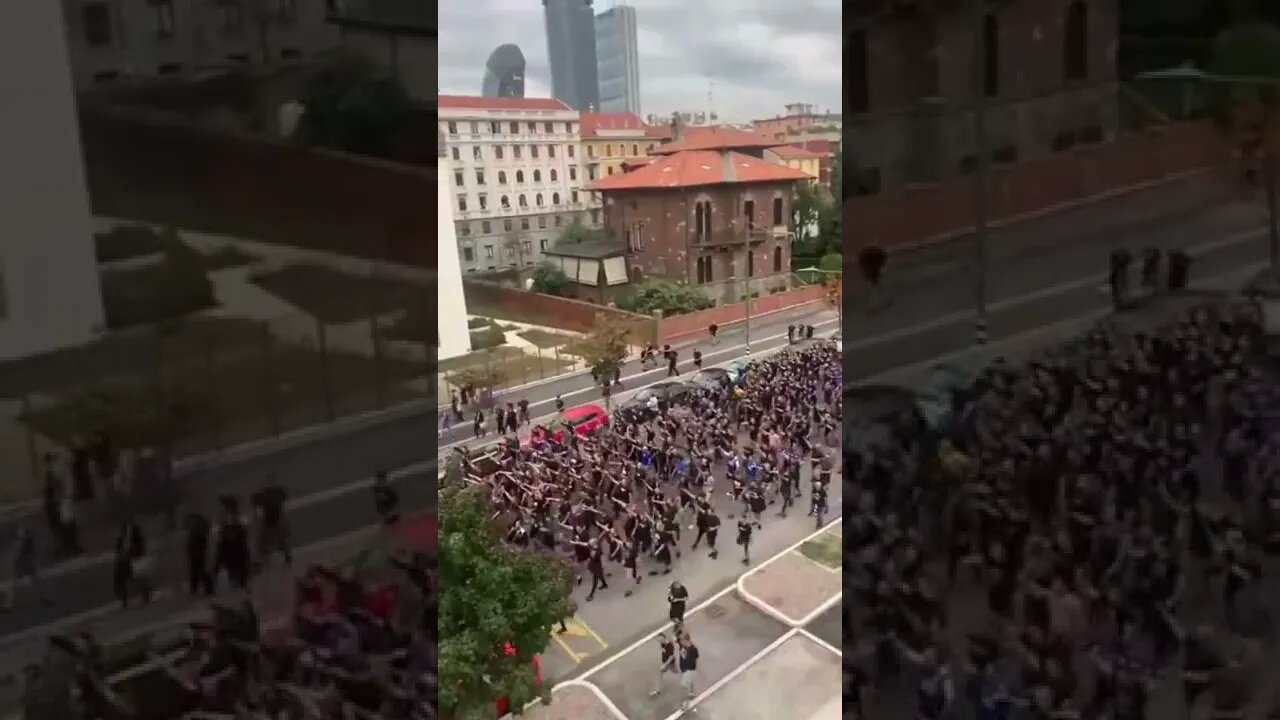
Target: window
{"type": "Point", "coordinates": [777, 259]}
{"type": "Point", "coordinates": [591, 151]}
{"type": "Point", "coordinates": [650, 148]}
{"type": "Point", "coordinates": [524, 223]}
{"type": "Point", "coordinates": [570, 149]}
{"type": "Point", "coordinates": [559, 221]}
{"type": "Point", "coordinates": [609, 170]}
{"type": "Point", "coordinates": [495, 128]}
{"type": "Point", "coordinates": [520, 176]}
{"type": "Point", "coordinates": [533, 127]}
{"type": "Point", "coordinates": [479, 177]}
{"type": "Point", "coordinates": [537, 176]}
{"type": "Point", "coordinates": [457, 178]}
{"type": "Point", "coordinates": [484, 227]}
{"type": "Point", "coordinates": [591, 172]}
{"type": "Point", "coordinates": [551, 151]}
{"type": "Point", "coordinates": [504, 202]}
{"type": "Point", "coordinates": [462, 203]}
{"type": "Point", "coordinates": [537, 199]}
{"type": "Point", "coordinates": [96, 17]}
{"type": "Point", "coordinates": [702, 270]}
{"type": "Point", "coordinates": [502, 177]}
{"type": "Point", "coordinates": [542, 222]}
{"type": "Point", "coordinates": [453, 128]}
{"type": "Point", "coordinates": [497, 152]}
{"type": "Point", "coordinates": [456, 154]}
{"type": "Point", "coordinates": [554, 176]}
{"type": "Point", "coordinates": [542, 244]}
{"type": "Point", "coordinates": [488, 252]}
{"type": "Point", "coordinates": [859, 80]}
{"type": "Point", "coordinates": [751, 264]}
{"type": "Point", "coordinates": [635, 150]}
{"type": "Point", "coordinates": [549, 127]}
{"type": "Point", "coordinates": [464, 229]}
{"type": "Point", "coordinates": [533, 151]}
{"type": "Point", "coordinates": [483, 200]}
{"type": "Point", "coordinates": [573, 174]}
{"type": "Point", "coordinates": [515, 151]}
{"type": "Point", "coordinates": [608, 150]}
{"type": "Point", "coordinates": [527, 245]}
{"type": "Point", "coordinates": [568, 127]}
{"type": "Point", "coordinates": [511, 252]}
{"type": "Point", "coordinates": [164, 17]}
{"type": "Point", "coordinates": [468, 254]}
{"type": "Point", "coordinates": [524, 201]}
{"type": "Point", "coordinates": [777, 212]}
{"type": "Point", "coordinates": [749, 213]}
{"type": "Point", "coordinates": [476, 154]}
{"type": "Point", "coordinates": [1076, 64]}
{"type": "Point", "coordinates": [555, 198]}
{"type": "Point", "coordinates": [991, 56]}
{"type": "Point", "coordinates": [506, 225]}
{"type": "Point", "coordinates": [574, 194]}
{"type": "Point", "coordinates": [515, 128]}
{"type": "Point", "coordinates": [474, 127]}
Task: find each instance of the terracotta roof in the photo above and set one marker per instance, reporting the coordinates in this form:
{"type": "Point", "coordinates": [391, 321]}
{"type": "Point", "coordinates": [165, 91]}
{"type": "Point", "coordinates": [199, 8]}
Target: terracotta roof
{"type": "Point", "coordinates": [714, 138]}
{"type": "Point", "coordinates": [638, 161]}
{"type": "Point", "coordinates": [659, 131]}
{"type": "Point", "coordinates": [793, 152]}
{"type": "Point", "coordinates": [694, 168]}
{"type": "Point", "coordinates": [594, 122]}
{"type": "Point", "coordinates": [466, 102]}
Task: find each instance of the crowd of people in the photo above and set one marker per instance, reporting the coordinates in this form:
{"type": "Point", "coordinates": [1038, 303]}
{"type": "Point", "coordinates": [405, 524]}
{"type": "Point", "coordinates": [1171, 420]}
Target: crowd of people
{"type": "Point", "coordinates": [1082, 537]}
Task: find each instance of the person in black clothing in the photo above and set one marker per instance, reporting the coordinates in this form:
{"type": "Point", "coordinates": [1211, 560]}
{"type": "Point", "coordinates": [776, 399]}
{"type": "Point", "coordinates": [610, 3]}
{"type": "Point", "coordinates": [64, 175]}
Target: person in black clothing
{"type": "Point", "coordinates": [197, 548]}
{"type": "Point", "coordinates": [477, 426]}
{"type": "Point", "coordinates": [273, 532]}
{"type": "Point", "coordinates": [688, 669]}
{"type": "Point", "coordinates": [791, 334]}
{"type": "Point", "coordinates": [595, 566]}
{"type": "Point", "coordinates": [673, 357]}
{"type": "Point", "coordinates": [744, 539]}
{"type": "Point", "coordinates": [385, 500]}
{"type": "Point", "coordinates": [559, 404]}
{"type": "Point", "coordinates": [871, 262]}
{"type": "Point", "coordinates": [697, 359]}
{"type": "Point", "coordinates": [677, 599]}
{"type": "Point", "coordinates": [667, 662]}
{"type": "Point", "coordinates": [714, 330]}
{"type": "Point", "coordinates": [232, 550]}
{"type": "Point", "coordinates": [130, 559]}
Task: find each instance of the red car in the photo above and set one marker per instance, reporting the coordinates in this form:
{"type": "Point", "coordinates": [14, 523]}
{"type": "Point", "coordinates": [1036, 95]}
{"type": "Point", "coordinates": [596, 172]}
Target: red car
{"type": "Point", "coordinates": [583, 419]}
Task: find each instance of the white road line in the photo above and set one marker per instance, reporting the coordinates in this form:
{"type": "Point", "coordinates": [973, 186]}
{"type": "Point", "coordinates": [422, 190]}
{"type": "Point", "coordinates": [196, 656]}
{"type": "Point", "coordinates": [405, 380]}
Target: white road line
{"type": "Point", "coordinates": [711, 690]}
{"type": "Point", "coordinates": [595, 690]}
{"type": "Point", "coordinates": [756, 602]}
{"type": "Point", "coordinates": [820, 642]}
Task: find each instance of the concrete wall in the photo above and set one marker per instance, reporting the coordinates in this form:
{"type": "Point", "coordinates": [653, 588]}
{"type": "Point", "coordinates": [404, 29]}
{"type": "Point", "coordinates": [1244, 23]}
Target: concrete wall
{"type": "Point", "coordinates": [679, 328]}
{"type": "Point", "coordinates": [507, 303]}
{"type": "Point", "coordinates": [165, 172]}
{"type": "Point", "coordinates": [49, 293]}
{"type": "Point", "coordinates": [945, 210]}
{"type": "Point", "coordinates": [455, 337]}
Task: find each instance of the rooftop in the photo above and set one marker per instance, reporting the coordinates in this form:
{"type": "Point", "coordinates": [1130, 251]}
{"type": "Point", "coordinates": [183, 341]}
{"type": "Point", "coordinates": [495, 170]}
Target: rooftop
{"type": "Point", "coordinates": [590, 249]}
{"type": "Point", "coordinates": [790, 152]}
{"type": "Point", "coordinates": [467, 102]}
{"type": "Point", "coordinates": [408, 17]}
{"type": "Point", "coordinates": [714, 138]}
{"type": "Point", "coordinates": [593, 123]}
{"type": "Point", "coordinates": [696, 168]}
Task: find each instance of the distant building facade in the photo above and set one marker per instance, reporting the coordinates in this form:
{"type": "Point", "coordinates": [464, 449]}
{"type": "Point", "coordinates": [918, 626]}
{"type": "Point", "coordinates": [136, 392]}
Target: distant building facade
{"type": "Point", "coordinates": [399, 35]}
{"type": "Point", "coordinates": [571, 49]}
{"type": "Point", "coordinates": [911, 75]}
{"type": "Point", "coordinates": [110, 41]}
{"type": "Point", "coordinates": [50, 296]}
{"type": "Point", "coordinates": [609, 141]}
{"type": "Point", "coordinates": [618, 60]}
{"type": "Point", "coordinates": [799, 118]}
{"type": "Point", "coordinates": [504, 73]}
{"type": "Point", "coordinates": [454, 336]}
{"type": "Point", "coordinates": [516, 177]}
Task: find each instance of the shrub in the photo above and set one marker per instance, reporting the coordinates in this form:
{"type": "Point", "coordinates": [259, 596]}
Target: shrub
{"type": "Point", "coordinates": [168, 290]}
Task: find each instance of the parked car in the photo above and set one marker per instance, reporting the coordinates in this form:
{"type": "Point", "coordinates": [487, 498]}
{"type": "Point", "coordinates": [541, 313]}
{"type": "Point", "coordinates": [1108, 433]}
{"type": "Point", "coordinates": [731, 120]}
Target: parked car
{"type": "Point", "coordinates": [672, 392]}
{"type": "Point", "coordinates": [712, 377]}
{"type": "Point", "coordinates": [581, 420]}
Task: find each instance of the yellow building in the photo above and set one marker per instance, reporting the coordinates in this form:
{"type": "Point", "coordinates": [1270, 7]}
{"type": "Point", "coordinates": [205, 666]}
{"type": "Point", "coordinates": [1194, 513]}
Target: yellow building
{"type": "Point", "coordinates": [806, 161]}
{"type": "Point", "coordinates": [608, 141]}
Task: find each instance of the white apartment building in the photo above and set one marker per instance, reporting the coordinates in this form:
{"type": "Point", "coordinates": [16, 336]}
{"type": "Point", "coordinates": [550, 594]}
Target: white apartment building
{"type": "Point", "coordinates": [114, 41]}
{"type": "Point", "coordinates": [454, 337]}
{"type": "Point", "coordinates": [49, 290]}
{"type": "Point", "coordinates": [517, 177]}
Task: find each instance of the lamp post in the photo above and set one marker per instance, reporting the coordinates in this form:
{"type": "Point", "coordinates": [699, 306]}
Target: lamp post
{"type": "Point", "coordinates": [982, 159]}
{"type": "Point", "coordinates": [1258, 145]}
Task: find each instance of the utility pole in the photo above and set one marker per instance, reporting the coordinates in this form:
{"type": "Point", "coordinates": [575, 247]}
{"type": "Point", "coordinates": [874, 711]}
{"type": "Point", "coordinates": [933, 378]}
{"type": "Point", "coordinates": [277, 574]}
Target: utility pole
{"type": "Point", "coordinates": [981, 170]}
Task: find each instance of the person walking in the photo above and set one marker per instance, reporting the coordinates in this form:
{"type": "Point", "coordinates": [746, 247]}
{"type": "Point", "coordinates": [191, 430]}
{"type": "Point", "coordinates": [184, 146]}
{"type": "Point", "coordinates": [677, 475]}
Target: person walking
{"type": "Point", "coordinates": [386, 502]}
{"type": "Point", "coordinates": [231, 551]}
{"type": "Point", "coordinates": [668, 662]}
{"type": "Point", "coordinates": [871, 262]}
{"type": "Point", "coordinates": [199, 581]}
{"type": "Point", "coordinates": [522, 408]}
{"type": "Point", "coordinates": [26, 567]}
{"type": "Point", "coordinates": [745, 527]}
{"type": "Point", "coordinates": [132, 571]}
{"type": "Point", "coordinates": [714, 332]}
{"type": "Point", "coordinates": [688, 671]}
{"type": "Point", "coordinates": [273, 527]}
{"type": "Point", "coordinates": [477, 426]}
{"type": "Point", "coordinates": [677, 599]}
{"type": "Point", "coordinates": [673, 357]}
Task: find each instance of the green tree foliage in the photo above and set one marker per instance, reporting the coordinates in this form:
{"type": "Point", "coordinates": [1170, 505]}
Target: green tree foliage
{"type": "Point", "coordinates": [497, 609]}
{"type": "Point", "coordinates": [817, 216]}
{"type": "Point", "coordinates": [576, 233]}
{"type": "Point", "coordinates": [354, 107]}
{"type": "Point", "coordinates": [831, 262]}
{"type": "Point", "coordinates": [550, 280]}
{"type": "Point", "coordinates": [670, 298]}
{"type": "Point", "coordinates": [604, 349]}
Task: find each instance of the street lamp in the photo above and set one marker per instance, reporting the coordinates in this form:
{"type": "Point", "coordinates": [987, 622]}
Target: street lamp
{"type": "Point", "coordinates": [1260, 145]}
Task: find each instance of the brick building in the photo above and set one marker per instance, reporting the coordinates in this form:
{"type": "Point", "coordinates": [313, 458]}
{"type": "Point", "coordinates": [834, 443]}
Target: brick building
{"type": "Point", "coordinates": [711, 218]}
{"type": "Point", "coordinates": [912, 72]}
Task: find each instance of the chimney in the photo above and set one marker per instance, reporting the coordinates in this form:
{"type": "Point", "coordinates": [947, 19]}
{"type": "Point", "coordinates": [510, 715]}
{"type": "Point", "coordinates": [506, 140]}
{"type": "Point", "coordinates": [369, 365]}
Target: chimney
{"type": "Point", "coordinates": [675, 126]}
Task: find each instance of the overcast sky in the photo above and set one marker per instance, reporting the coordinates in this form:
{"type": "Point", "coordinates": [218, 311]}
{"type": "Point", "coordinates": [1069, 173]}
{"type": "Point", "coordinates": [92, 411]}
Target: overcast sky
{"type": "Point", "coordinates": [758, 54]}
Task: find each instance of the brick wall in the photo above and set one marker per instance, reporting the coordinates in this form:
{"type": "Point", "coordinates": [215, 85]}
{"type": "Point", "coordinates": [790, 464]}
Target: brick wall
{"type": "Point", "coordinates": [679, 328]}
{"type": "Point", "coordinates": [944, 210]}
{"type": "Point", "coordinates": [508, 303]}
{"type": "Point", "coordinates": [155, 169]}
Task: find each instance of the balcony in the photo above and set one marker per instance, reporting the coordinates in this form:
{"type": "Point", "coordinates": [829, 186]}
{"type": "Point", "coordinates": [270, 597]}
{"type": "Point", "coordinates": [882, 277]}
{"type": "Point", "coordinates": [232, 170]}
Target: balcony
{"type": "Point", "coordinates": [728, 238]}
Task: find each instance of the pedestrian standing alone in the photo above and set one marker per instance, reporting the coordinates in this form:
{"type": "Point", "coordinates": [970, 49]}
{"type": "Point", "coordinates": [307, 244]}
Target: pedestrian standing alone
{"type": "Point", "coordinates": [477, 427]}
{"type": "Point", "coordinates": [199, 581]}
{"type": "Point", "coordinates": [231, 553]}
{"type": "Point", "coordinates": [744, 539]}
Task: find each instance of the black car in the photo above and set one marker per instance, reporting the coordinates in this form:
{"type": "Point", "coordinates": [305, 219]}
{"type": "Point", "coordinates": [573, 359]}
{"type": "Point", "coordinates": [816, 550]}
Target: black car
{"type": "Point", "coordinates": [673, 393]}
{"type": "Point", "coordinates": [712, 377]}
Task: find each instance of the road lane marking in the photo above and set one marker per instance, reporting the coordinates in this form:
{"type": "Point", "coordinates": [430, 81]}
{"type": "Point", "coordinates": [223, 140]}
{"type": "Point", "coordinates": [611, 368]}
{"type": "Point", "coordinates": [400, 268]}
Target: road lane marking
{"type": "Point", "coordinates": [821, 642]}
{"type": "Point", "coordinates": [575, 627]}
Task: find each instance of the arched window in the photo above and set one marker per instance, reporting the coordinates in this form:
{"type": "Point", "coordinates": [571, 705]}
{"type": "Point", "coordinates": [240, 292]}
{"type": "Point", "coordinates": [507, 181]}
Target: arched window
{"type": "Point", "coordinates": [519, 176]}
{"type": "Point", "coordinates": [1076, 37]}
{"type": "Point", "coordinates": [506, 202]}
{"type": "Point", "coordinates": [502, 177]}
{"type": "Point", "coordinates": [702, 277]}
{"type": "Point", "coordinates": [711, 277]}
{"type": "Point", "coordinates": [537, 176]}
{"type": "Point", "coordinates": [524, 202]}
{"type": "Point", "coordinates": [751, 264]}
{"type": "Point", "coordinates": [706, 217]}
{"type": "Point", "coordinates": [537, 199]}
{"type": "Point", "coordinates": [553, 175]}
{"type": "Point", "coordinates": [991, 56]}
{"type": "Point", "coordinates": [555, 197]}
{"type": "Point", "coordinates": [635, 150]}
{"type": "Point", "coordinates": [777, 259]}
{"type": "Point", "coordinates": [697, 219]}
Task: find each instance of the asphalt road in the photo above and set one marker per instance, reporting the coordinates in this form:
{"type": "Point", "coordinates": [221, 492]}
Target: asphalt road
{"type": "Point", "coordinates": [1037, 276]}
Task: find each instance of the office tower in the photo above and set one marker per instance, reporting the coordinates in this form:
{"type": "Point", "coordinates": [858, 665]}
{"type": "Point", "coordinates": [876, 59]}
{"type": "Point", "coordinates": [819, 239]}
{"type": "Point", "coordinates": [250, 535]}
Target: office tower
{"type": "Point", "coordinates": [618, 60]}
{"type": "Point", "coordinates": [571, 48]}
{"type": "Point", "coordinates": [504, 72]}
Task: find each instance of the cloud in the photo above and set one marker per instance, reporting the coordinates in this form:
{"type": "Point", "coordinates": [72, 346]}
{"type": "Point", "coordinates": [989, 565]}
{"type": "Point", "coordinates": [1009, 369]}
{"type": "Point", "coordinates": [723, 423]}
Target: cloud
{"type": "Point", "coordinates": [754, 56]}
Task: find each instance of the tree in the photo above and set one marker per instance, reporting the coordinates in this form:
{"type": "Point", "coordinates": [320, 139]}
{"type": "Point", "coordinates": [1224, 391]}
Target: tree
{"type": "Point", "coordinates": [498, 606]}
{"type": "Point", "coordinates": [604, 349]}
{"type": "Point", "coordinates": [811, 207]}
{"type": "Point", "coordinates": [513, 243]}
{"type": "Point", "coordinates": [837, 175]}
{"type": "Point", "coordinates": [481, 377]}
{"type": "Point", "coordinates": [576, 233]}
{"type": "Point", "coordinates": [670, 298]}
{"type": "Point", "coordinates": [352, 106]}
{"type": "Point", "coordinates": [549, 280]}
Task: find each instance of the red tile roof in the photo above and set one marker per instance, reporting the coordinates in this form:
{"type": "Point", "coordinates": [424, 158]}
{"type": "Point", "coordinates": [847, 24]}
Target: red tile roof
{"type": "Point", "coordinates": [594, 122]}
{"type": "Point", "coordinates": [789, 152]}
{"type": "Point", "coordinates": [695, 168]}
{"type": "Point", "coordinates": [638, 161]}
{"type": "Point", "coordinates": [714, 138]}
{"type": "Point", "coordinates": [466, 102]}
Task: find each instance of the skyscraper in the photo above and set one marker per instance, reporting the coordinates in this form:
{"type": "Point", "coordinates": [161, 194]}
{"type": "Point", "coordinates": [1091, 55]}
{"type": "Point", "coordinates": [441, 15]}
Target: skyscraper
{"type": "Point", "coordinates": [571, 48]}
{"type": "Point", "coordinates": [504, 72]}
{"type": "Point", "coordinates": [618, 60]}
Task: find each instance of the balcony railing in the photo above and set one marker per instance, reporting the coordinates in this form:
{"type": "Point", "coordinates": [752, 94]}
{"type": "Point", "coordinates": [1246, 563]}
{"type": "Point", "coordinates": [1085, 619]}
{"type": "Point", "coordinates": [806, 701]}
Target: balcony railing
{"type": "Point", "coordinates": [738, 236]}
